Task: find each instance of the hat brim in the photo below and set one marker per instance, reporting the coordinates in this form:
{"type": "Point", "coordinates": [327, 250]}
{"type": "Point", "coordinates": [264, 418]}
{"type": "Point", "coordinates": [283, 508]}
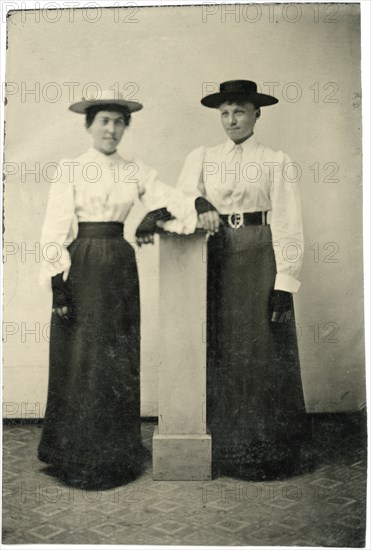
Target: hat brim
{"type": "Point", "coordinates": [260, 100]}
{"type": "Point", "coordinates": [82, 106]}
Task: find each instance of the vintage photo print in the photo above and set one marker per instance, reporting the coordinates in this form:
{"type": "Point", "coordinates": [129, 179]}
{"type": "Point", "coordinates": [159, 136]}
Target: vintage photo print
{"type": "Point", "coordinates": [183, 273]}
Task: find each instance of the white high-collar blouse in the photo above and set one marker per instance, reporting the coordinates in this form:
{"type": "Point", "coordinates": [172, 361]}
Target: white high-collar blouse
{"type": "Point", "coordinates": [252, 178]}
{"type": "Point", "coordinates": [95, 187]}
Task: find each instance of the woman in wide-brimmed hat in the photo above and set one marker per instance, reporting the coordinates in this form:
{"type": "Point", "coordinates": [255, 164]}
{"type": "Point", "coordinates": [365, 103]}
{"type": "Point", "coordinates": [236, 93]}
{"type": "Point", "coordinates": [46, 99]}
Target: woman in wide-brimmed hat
{"type": "Point", "coordinates": [249, 201]}
{"type": "Point", "coordinates": [91, 433]}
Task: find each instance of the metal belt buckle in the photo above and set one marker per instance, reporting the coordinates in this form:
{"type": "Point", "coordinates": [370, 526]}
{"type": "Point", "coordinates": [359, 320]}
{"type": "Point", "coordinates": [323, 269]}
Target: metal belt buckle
{"type": "Point", "coordinates": [235, 220]}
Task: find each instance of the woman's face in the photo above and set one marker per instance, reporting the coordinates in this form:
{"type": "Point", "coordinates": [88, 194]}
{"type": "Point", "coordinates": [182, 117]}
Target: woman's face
{"type": "Point", "coordinates": [238, 119]}
{"type": "Point", "coordinates": [107, 129]}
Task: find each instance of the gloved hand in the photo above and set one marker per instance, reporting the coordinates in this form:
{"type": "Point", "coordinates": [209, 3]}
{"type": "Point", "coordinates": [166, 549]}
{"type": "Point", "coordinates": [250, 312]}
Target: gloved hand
{"type": "Point", "coordinates": [207, 215]}
{"type": "Point", "coordinates": [281, 306]}
{"type": "Point", "coordinates": [63, 304]}
{"type": "Point", "coordinates": [147, 227]}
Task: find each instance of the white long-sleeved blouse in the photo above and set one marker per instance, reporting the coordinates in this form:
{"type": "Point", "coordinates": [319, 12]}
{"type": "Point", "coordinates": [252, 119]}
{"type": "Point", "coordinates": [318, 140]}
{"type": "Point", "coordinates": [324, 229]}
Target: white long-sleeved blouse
{"type": "Point", "coordinates": [253, 178]}
{"type": "Point", "coordinates": [102, 188]}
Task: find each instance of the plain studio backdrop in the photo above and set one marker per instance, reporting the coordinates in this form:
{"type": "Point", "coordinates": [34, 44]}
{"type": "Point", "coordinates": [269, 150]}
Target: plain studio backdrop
{"type": "Point", "coordinates": [169, 57]}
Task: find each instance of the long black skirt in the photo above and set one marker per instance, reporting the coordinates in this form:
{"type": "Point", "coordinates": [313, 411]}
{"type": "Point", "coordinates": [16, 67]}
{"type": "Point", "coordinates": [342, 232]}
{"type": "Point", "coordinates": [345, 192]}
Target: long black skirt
{"type": "Point", "coordinates": [255, 405]}
{"type": "Point", "coordinates": [91, 432]}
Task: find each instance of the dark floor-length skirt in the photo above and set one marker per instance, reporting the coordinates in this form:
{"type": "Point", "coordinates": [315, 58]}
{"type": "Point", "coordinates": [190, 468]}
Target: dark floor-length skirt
{"type": "Point", "coordinates": [91, 433]}
{"type": "Point", "coordinates": [255, 405]}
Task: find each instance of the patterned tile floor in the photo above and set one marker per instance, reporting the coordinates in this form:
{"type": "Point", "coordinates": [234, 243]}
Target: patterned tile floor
{"type": "Point", "coordinates": [323, 508]}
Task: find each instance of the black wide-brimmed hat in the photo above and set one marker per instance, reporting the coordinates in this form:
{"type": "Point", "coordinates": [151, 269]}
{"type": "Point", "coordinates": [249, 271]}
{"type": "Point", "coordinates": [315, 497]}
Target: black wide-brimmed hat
{"type": "Point", "coordinates": [232, 90]}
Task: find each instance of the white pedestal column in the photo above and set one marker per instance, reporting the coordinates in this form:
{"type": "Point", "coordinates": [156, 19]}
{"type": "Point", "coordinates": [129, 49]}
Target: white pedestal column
{"type": "Point", "coordinates": [181, 446]}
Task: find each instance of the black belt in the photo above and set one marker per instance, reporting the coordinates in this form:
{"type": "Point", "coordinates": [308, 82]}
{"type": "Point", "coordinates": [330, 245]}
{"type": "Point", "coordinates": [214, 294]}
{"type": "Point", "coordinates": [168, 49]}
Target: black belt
{"type": "Point", "coordinates": [100, 230]}
{"type": "Point", "coordinates": [244, 218]}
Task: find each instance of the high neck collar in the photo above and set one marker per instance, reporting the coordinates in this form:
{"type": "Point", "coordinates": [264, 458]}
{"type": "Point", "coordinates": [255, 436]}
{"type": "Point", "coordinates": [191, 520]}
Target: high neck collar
{"type": "Point", "coordinates": [247, 145]}
{"type": "Point", "coordinates": [98, 156]}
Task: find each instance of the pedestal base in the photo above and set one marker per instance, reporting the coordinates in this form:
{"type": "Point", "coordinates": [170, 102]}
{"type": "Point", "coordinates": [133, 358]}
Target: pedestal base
{"type": "Point", "coordinates": [181, 457]}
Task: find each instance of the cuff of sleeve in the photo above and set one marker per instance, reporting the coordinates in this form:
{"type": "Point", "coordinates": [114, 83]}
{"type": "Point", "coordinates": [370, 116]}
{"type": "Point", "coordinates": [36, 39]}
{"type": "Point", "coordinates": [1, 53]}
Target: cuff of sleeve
{"type": "Point", "coordinates": [52, 268]}
{"type": "Point", "coordinates": [184, 210]}
{"type": "Point", "coordinates": [184, 227]}
{"type": "Point", "coordinates": [286, 283]}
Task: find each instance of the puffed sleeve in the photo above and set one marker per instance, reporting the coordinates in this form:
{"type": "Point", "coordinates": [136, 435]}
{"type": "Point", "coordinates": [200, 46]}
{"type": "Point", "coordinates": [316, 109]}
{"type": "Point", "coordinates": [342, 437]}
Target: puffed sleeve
{"type": "Point", "coordinates": [286, 226]}
{"type": "Point", "coordinates": [57, 226]}
{"type": "Point", "coordinates": [155, 194]}
{"type": "Point", "coordinates": [190, 180]}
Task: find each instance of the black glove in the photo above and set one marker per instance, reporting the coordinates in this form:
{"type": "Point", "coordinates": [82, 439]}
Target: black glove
{"type": "Point", "coordinates": [281, 306]}
{"type": "Point", "coordinates": [202, 205]}
{"type": "Point", "coordinates": [63, 304]}
{"type": "Point", "coordinates": [147, 227]}
{"type": "Point", "coordinates": [205, 211]}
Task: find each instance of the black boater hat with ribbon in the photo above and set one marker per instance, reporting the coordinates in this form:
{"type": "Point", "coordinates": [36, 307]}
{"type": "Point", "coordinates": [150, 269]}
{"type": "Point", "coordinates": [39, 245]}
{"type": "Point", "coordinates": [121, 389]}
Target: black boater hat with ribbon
{"type": "Point", "coordinates": [237, 90]}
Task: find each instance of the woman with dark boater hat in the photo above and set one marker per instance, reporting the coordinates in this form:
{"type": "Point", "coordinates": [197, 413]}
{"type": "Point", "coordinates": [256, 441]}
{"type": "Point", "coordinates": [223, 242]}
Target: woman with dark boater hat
{"type": "Point", "coordinates": [91, 433]}
{"type": "Point", "coordinates": [248, 199]}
